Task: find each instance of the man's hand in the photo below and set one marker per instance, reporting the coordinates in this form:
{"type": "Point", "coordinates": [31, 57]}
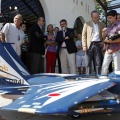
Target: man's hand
{"type": "Point", "coordinates": [108, 41]}
{"type": "Point", "coordinates": [79, 47]}
{"type": "Point", "coordinates": [66, 38]}
{"type": "Point", "coordinates": [101, 44]}
{"type": "Point", "coordinates": [84, 49]}
{"type": "Point", "coordinates": [104, 30]}
{"type": "Point", "coordinates": [3, 37]}
{"type": "Point", "coordinates": [109, 51]}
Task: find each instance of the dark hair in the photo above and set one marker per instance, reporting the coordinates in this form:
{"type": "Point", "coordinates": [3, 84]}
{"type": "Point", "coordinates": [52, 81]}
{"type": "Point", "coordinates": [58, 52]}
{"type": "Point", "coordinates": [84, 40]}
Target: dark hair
{"type": "Point", "coordinates": [63, 20]}
{"type": "Point", "coordinates": [56, 27]}
{"type": "Point", "coordinates": [112, 13]}
{"type": "Point", "coordinates": [94, 11]}
{"type": "Point", "coordinates": [40, 17]}
{"type": "Point", "coordinates": [48, 26]}
{"type": "Point", "coordinates": [23, 23]}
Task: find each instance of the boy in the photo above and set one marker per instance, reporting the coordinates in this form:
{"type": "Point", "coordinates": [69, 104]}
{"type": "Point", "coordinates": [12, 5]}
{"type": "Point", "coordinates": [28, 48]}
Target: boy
{"type": "Point", "coordinates": [80, 56]}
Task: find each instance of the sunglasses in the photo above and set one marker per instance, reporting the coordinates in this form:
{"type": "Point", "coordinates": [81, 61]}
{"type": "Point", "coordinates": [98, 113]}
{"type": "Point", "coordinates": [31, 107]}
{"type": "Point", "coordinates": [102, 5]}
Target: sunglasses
{"type": "Point", "coordinates": [62, 24]}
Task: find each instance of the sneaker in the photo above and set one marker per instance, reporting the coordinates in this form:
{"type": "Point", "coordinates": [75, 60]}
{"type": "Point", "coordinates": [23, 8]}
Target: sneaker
{"type": "Point", "coordinates": [103, 77]}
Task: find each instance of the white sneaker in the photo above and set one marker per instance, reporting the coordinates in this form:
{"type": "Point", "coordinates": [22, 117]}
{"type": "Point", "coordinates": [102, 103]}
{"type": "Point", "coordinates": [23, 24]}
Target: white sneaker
{"type": "Point", "coordinates": [103, 77]}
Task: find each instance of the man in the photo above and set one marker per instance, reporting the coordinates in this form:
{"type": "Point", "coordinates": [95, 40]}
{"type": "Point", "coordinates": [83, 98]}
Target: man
{"type": "Point", "coordinates": [66, 48]}
{"type": "Point", "coordinates": [37, 47]}
{"type": "Point", "coordinates": [24, 47]}
{"type": "Point", "coordinates": [56, 30]}
{"type": "Point", "coordinates": [112, 46]}
{"type": "Point", "coordinates": [118, 17]}
{"type": "Point", "coordinates": [13, 33]}
{"type": "Point", "coordinates": [92, 42]}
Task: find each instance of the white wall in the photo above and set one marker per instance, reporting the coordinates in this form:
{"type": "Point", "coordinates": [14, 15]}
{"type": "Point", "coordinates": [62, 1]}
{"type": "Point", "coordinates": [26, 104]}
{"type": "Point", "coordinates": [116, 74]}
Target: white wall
{"type": "Point", "coordinates": [0, 6]}
{"type": "Point", "coordinates": [55, 10]}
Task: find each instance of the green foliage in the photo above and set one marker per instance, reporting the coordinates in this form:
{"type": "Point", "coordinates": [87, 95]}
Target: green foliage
{"type": "Point", "coordinates": [101, 11]}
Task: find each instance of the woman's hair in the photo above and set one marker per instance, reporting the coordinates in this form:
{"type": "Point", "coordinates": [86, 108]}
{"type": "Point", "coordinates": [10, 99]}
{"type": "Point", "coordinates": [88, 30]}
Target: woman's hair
{"type": "Point", "coordinates": [48, 27]}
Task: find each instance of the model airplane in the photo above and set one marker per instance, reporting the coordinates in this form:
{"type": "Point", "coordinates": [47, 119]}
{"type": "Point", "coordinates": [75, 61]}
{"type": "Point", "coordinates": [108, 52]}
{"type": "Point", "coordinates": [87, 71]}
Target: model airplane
{"type": "Point", "coordinates": [55, 93]}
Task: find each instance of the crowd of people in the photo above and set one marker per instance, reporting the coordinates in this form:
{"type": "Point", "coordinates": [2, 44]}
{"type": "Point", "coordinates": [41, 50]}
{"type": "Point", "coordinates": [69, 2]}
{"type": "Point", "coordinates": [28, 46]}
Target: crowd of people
{"type": "Point", "coordinates": [94, 45]}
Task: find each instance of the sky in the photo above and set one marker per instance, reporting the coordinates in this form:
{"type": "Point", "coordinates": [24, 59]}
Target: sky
{"type": "Point", "coordinates": [114, 2]}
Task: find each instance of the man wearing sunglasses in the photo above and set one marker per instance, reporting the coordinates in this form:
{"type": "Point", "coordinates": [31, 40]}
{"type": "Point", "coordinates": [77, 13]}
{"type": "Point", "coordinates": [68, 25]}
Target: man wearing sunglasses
{"type": "Point", "coordinates": [37, 47]}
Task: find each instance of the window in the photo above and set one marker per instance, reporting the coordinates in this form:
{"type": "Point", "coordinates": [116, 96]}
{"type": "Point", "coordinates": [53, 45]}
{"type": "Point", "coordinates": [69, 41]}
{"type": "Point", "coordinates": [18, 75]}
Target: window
{"type": "Point", "coordinates": [77, 2]}
{"type": "Point", "coordinates": [88, 9]}
{"type": "Point", "coordinates": [81, 3]}
{"type": "Point", "coordinates": [78, 26]}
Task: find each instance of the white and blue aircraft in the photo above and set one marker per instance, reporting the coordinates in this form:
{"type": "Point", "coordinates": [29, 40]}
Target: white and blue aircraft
{"type": "Point", "coordinates": [55, 93]}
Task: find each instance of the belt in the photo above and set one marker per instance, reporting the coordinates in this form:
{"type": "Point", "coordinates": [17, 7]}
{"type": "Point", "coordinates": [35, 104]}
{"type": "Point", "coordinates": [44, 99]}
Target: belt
{"type": "Point", "coordinates": [63, 47]}
{"type": "Point", "coordinates": [96, 41]}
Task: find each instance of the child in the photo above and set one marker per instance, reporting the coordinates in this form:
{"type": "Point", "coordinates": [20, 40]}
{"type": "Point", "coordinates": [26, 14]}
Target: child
{"type": "Point", "coordinates": [80, 56]}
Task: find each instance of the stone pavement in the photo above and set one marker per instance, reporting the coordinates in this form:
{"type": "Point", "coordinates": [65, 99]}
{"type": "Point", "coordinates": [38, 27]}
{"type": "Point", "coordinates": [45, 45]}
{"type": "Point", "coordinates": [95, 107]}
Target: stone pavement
{"type": "Point", "coordinates": [11, 115]}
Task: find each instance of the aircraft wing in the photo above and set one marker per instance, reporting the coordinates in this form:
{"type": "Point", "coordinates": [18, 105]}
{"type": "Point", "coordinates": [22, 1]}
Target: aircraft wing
{"type": "Point", "coordinates": [58, 97]}
{"type": "Point", "coordinates": [4, 92]}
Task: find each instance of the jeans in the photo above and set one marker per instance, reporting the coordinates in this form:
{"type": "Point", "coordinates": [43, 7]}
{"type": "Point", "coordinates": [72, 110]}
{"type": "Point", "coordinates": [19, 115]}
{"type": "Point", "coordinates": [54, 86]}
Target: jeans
{"type": "Point", "coordinates": [107, 59]}
{"type": "Point", "coordinates": [94, 53]}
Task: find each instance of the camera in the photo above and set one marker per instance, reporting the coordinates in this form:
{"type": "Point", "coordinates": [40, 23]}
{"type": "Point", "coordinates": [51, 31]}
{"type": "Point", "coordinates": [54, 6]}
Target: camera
{"type": "Point", "coordinates": [114, 37]}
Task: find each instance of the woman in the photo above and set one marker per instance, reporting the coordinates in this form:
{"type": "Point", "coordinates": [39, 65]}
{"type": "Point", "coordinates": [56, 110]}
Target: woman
{"type": "Point", "coordinates": [51, 50]}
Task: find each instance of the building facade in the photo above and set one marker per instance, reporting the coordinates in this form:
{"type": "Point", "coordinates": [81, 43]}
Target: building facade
{"type": "Point", "coordinates": [71, 10]}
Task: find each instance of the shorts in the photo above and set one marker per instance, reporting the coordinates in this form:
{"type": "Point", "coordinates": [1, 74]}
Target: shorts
{"type": "Point", "coordinates": [80, 61]}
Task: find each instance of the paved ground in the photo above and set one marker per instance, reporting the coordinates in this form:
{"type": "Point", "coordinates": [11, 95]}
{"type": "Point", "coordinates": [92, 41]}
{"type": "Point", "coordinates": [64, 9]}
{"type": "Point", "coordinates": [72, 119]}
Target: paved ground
{"type": "Point", "coordinates": [20, 116]}
{"type": "Point", "coordinates": [10, 115]}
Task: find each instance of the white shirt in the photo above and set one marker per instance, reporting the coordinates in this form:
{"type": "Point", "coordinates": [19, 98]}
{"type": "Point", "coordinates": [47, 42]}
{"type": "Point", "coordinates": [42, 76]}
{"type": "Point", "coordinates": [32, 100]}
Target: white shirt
{"type": "Point", "coordinates": [96, 36]}
{"type": "Point", "coordinates": [40, 27]}
{"type": "Point", "coordinates": [63, 44]}
{"type": "Point", "coordinates": [14, 35]}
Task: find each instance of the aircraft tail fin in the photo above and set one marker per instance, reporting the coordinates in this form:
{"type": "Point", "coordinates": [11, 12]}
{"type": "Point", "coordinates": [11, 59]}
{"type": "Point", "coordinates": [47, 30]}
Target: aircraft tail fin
{"type": "Point", "coordinates": [11, 52]}
{"type": "Point", "coordinates": [9, 66]}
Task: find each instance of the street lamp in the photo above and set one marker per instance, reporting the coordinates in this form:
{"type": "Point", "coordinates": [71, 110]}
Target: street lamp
{"type": "Point", "coordinates": [10, 8]}
{"type": "Point", "coordinates": [13, 11]}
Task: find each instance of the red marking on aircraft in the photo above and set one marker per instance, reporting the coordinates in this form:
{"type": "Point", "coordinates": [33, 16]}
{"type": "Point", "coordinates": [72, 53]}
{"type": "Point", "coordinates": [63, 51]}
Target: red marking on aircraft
{"type": "Point", "coordinates": [54, 94]}
{"type": "Point", "coordinates": [113, 84]}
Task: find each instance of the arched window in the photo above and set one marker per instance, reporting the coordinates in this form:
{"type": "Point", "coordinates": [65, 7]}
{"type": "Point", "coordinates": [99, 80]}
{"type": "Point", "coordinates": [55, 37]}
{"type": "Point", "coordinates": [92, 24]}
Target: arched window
{"type": "Point", "coordinates": [78, 26]}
